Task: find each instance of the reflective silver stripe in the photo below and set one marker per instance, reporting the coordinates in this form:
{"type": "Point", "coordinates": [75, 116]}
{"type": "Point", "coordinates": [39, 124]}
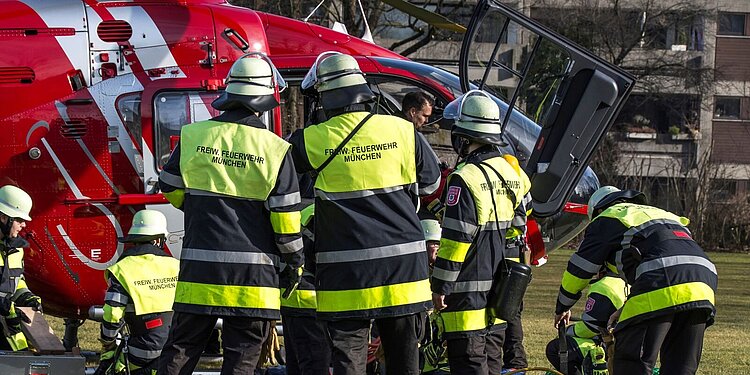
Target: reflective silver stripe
{"type": "Point", "coordinates": [584, 264]}
{"type": "Point", "coordinates": [224, 256]}
{"type": "Point", "coordinates": [130, 308]}
{"type": "Point", "coordinates": [496, 225]}
{"type": "Point", "coordinates": [627, 237]}
{"type": "Point", "coordinates": [145, 354]}
{"type": "Point", "coordinates": [618, 264]}
{"type": "Point", "coordinates": [427, 190]}
{"type": "Point", "coordinates": [518, 221]}
{"type": "Point", "coordinates": [587, 318]}
{"type": "Point", "coordinates": [526, 200]}
{"type": "Point", "coordinates": [275, 201]}
{"type": "Point", "coordinates": [290, 247]}
{"type": "Point", "coordinates": [565, 300]}
{"type": "Point", "coordinates": [371, 253]}
{"type": "Point", "coordinates": [657, 264]}
{"type": "Point", "coordinates": [109, 332]}
{"type": "Point", "coordinates": [116, 297]}
{"type": "Point", "coordinates": [3, 294]}
{"type": "Point", "coordinates": [172, 179]}
{"type": "Point", "coordinates": [445, 275]}
{"type": "Point", "coordinates": [356, 194]}
{"type": "Point", "coordinates": [459, 226]}
{"type": "Point", "coordinates": [472, 286]}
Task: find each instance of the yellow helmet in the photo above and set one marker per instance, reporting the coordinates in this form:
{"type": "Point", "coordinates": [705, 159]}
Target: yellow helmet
{"type": "Point", "coordinates": [147, 225]}
{"type": "Point", "coordinates": [15, 203]}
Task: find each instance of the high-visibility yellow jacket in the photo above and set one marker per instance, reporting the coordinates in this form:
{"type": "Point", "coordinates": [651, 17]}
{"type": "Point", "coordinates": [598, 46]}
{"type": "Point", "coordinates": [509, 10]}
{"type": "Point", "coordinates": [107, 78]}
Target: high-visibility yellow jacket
{"type": "Point", "coordinates": [140, 294]}
{"type": "Point", "coordinates": [652, 250]}
{"type": "Point", "coordinates": [473, 237]}
{"type": "Point", "coordinates": [369, 247]}
{"type": "Point", "coordinates": [235, 181]}
{"type": "Point", "coordinates": [13, 287]}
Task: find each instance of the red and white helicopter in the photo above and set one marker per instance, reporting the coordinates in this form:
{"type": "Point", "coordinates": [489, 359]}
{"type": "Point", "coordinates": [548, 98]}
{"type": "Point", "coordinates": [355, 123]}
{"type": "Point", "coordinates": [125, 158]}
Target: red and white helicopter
{"type": "Point", "coordinates": [94, 94]}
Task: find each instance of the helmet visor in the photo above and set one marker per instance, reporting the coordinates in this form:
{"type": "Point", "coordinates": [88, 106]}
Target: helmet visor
{"type": "Point", "coordinates": [311, 78]}
{"type": "Point", "coordinates": [278, 80]}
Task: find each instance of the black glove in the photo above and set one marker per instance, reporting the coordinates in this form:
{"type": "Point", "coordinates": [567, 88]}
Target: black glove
{"type": "Point", "coordinates": [5, 304]}
{"type": "Point", "coordinates": [293, 275]}
{"type": "Point", "coordinates": [104, 365]}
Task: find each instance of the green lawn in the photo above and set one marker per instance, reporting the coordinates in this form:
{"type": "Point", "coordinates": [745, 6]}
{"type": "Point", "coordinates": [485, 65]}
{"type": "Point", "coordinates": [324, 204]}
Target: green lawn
{"type": "Point", "coordinates": [726, 347]}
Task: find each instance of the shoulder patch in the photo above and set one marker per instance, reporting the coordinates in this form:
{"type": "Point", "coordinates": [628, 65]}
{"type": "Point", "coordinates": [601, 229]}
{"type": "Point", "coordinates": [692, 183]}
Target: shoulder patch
{"type": "Point", "coordinates": [589, 304]}
{"type": "Point", "coordinates": [454, 192]}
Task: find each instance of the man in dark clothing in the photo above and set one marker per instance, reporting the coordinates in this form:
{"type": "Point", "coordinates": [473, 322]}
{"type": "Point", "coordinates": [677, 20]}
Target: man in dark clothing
{"type": "Point", "coordinates": [369, 248]}
{"type": "Point", "coordinates": [673, 283]}
{"type": "Point", "coordinates": [236, 183]}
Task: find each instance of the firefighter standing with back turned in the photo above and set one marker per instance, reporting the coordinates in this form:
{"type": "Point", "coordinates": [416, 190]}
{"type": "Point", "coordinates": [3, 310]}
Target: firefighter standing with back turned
{"type": "Point", "coordinates": [673, 283]}
{"type": "Point", "coordinates": [481, 197]}
{"type": "Point", "coordinates": [140, 295]}
{"type": "Point", "coordinates": [235, 181]}
{"type": "Point", "coordinates": [15, 206]}
{"type": "Point", "coordinates": [370, 253]}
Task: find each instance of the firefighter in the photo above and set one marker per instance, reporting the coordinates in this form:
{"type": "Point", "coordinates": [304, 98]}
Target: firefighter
{"type": "Point", "coordinates": [308, 351]}
{"type": "Point", "coordinates": [673, 283]}
{"type": "Point", "coordinates": [481, 198]}
{"type": "Point", "coordinates": [15, 206]}
{"type": "Point", "coordinates": [369, 248]}
{"type": "Point", "coordinates": [140, 295]}
{"type": "Point", "coordinates": [606, 294]}
{"type": "Point", "coordinates": [235, 181]}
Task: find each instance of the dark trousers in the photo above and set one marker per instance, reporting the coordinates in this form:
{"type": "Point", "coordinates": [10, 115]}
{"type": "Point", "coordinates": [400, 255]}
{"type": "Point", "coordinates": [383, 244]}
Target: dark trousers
{"type": "Point", "coordinates": [677, 338]}
{"type": "Point", "coordinates": [242, 339]}
{"type": "Point", "coordinates": [514, 354]}
{"type": "Point", "coordinates": [468, 355]}
{"type": "Point", "coordinates": [575, 360]}
{"type": "Point", "coordinates": [308, 349]}
{"type": "Point", "coordinates": [399, 336]}
{"type": "Point", "coordinates": [494, 348]}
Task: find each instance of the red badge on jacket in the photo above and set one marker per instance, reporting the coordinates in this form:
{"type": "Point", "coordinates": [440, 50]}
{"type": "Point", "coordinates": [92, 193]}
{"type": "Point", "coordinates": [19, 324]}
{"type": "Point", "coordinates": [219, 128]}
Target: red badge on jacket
{"type": "Point", "coordinates": [589, 304]}
{"type": "Point", "coordinates": [454, 192]}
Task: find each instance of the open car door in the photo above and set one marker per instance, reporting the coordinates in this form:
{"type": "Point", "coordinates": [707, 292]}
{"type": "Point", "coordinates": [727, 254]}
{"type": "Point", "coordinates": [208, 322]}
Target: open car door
{"type": "Point", "coordinates": [571, 94]}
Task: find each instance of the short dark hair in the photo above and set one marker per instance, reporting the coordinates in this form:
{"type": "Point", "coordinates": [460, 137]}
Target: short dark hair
{"type": "Point", "coordinates": [416, 99]}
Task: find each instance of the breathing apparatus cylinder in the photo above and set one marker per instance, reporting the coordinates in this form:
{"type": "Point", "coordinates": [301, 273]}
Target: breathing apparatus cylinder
{"type": "Point", "coordinates": [508, 289]}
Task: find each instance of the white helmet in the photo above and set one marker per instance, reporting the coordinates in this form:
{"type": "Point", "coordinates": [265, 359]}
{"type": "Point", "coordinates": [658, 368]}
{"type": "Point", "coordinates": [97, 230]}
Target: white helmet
{"type": "Point", "coordinates": [15, 203]}
{"type": "Point", "coordinates": [597, 198]}
{"type": "Point", "coordinates": [251, 82]}
{"type": "Point", "coordinates": [147, 225]}
{"type": "Point", "coordinates": [338, 80]}
{"type": "Point", "coordinates": [431, 229]}
{"type": "Point", "coordinates": [477, 117]}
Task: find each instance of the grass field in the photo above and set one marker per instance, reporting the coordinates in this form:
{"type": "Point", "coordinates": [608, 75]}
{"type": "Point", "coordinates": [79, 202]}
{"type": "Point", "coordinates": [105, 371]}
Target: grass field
{"type": "Point", "coordinates": [726, 347]}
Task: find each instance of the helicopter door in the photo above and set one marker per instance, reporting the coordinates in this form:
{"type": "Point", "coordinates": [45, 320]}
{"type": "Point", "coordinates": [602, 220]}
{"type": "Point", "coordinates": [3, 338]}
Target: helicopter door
{"type": "Point", "coordinates": [573, 95]}
{"type": "Point", "coordinates": [172, 111]}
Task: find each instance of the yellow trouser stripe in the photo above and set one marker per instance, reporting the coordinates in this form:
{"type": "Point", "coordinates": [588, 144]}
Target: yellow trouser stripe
{"type": "Point", "coordinates": [373, 298]}
{"type": "Point", "coordinates": [300, 299]}
{"type": "Point", "coordinates": [459, 321]}
{"type": "Point", "coordinates": [573, 284]}
{"type": "Point", "coordinates": [176, 197]}
{"type": "Point", "coordinates": [18, 342]}
{"type": "Point", "coordinates": [228, 295]}
{"type": "Point", "coordinates": [666, 297]}
{"type": "Point", "coordinates": [113, 314]}
{"type": "Point", "coordinates": [453, 250]}
{"type": "Point", "coordinates": [286, 222]}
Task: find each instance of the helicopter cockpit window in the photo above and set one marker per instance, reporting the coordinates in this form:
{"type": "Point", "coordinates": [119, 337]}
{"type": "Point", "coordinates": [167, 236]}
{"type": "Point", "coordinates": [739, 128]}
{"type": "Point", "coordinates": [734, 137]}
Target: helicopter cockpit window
{"type": "Point", "coordinates": [172, 111]}
{"type": "Point", "coordinates": [391, 94]}
{"type": "Point", "coordinates": [129, 109]}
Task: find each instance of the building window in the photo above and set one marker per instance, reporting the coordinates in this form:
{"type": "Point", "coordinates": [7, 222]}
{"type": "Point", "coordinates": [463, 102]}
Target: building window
{"type": "Point", "coordinates": [727, 107]}
{"type": "Point", "coordinates": [731, 24]}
